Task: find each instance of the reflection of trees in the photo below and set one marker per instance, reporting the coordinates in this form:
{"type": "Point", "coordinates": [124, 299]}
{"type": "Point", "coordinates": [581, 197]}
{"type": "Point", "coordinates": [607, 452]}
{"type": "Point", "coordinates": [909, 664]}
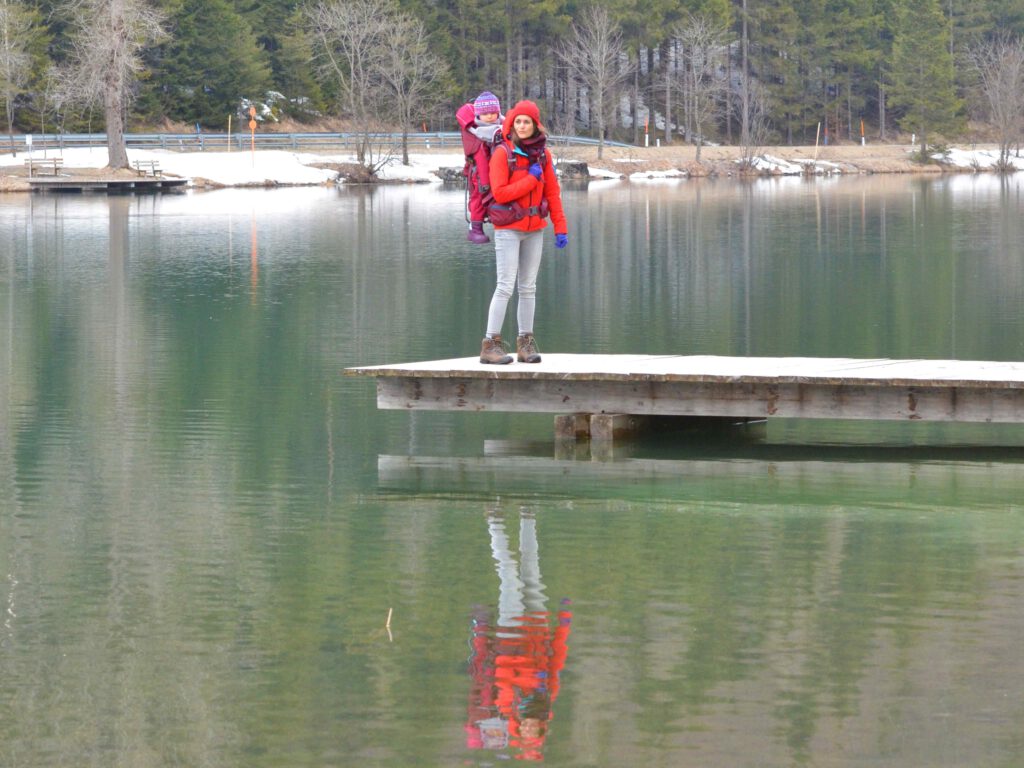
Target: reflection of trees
{"type": "Point", "coordinates": [184, 590]}
{"type": "Point", "coordinates": [168, 431]}
{"type": "Point", "coordinates": [102, 542]}
{"type": "Point", "coordinates": [864, 271]}
{"type": "Point", "coordinates": [772, 632]}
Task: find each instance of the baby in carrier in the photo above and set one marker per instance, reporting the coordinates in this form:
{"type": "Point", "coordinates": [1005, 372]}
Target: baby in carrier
{"type": "Point", "coordinates": [480, 121]}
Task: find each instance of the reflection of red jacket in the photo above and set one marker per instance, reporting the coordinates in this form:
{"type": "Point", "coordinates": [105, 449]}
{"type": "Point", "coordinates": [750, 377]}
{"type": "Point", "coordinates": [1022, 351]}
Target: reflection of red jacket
{"type": "Point", "coordinates": [519, 185]}
{"type": "Point", "coordinates": [527, 665]}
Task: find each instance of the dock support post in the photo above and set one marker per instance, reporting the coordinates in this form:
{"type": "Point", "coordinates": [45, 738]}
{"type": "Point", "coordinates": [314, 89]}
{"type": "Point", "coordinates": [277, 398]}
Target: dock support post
{"type": "Point", "coordinates": [573, 426]}
{"type": "Point", "coordinates": [615, 426]}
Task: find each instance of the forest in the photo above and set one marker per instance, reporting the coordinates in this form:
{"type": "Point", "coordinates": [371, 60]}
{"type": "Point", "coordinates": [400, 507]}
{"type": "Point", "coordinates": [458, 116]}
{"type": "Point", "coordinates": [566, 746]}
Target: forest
{"type": "Point", "coordinates": [711, 70]}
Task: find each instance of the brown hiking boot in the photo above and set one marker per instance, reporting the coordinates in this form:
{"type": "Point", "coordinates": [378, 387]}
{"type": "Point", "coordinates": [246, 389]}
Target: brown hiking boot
{"type": "Point", "coordinates": [526, 349]}
{"type": "Point", "coordinates": [493, 351]}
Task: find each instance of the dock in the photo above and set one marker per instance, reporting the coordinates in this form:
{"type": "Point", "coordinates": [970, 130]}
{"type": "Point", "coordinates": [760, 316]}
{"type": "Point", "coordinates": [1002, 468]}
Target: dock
{"type": "Point", "coordinates": [604, 396]}
{"type": "Point", "coordinates": [110, 186]}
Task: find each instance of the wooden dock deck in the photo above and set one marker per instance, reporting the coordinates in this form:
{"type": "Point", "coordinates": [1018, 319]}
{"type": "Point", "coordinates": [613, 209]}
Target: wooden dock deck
{"type": "Point", "coordinates": [742, 388]}
{"type": "Point", "coordinates": [72, 184]}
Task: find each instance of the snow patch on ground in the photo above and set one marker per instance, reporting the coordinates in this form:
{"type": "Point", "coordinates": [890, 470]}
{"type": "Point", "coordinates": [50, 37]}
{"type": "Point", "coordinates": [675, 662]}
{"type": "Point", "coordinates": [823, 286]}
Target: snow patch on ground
{"type": "Point", "coordinates": [279, 167]}
{"type": "Point", "coordinates": [604, 173]}
{"type": "Point", "coordinates": [982, 159]}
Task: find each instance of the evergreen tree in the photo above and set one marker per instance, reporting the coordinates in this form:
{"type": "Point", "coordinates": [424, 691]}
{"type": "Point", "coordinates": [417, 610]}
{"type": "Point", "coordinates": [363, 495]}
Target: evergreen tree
{"type": "Point", "coordinates": [291, 71]}
{"type": "Point", "coordinates": [277, 25]}
{"type": "Point", "coordinates": [782, 53]}
{"type": "Point", "coordinates": [212, 62]}
{"type": "Point", "coordinates": [970, 22]}
{"type": "Point", "coordinates": [1005, 16]}
{"type": "Point", "coordinates": [815, 57]}
{"type": "Point", "coordinates": [922, 84]}
{"type": "Point", "coordinates": [850, 44]}
{"type": "Point", "coordinates": [22, 38]}
{"type": "Point", "coordinates": [469, 36]}
{"type": "Point", "coordinates": [645, 25]}
{"type": "Point", "coordinates": [888, 13]}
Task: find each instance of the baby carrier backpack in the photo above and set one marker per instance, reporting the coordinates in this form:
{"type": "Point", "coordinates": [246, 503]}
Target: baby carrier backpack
{"type": "Point", "coordinates": [466, 117]}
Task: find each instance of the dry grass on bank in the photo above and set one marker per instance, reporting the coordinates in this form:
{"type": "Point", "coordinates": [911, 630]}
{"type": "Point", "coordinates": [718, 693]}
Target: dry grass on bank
{"type": "Point", "coordinates": [715, 161]}
{"type": "Point", "coordinates": [877, 158]}
{"type": "Point", "coordinates": [722, 160]}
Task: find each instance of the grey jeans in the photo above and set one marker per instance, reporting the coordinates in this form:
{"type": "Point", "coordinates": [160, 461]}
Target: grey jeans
{"type": "Point", "coordinates": [518, 259]}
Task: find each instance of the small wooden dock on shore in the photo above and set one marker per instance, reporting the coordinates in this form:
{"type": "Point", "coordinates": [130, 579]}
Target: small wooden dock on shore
{"type": "Point", "coordinates": [602, 396]}
{"type": "Point", "coordinates": [84, 184]}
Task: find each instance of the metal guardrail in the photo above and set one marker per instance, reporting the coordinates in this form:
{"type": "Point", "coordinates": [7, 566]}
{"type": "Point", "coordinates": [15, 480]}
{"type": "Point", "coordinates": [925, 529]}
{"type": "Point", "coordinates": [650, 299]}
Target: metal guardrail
{"type": "Point", "coordinates": [219, 142]}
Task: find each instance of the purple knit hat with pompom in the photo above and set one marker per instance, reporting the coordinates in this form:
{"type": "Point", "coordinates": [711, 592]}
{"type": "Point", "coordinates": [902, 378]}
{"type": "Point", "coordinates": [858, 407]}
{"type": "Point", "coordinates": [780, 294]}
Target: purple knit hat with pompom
{"type": "Point", "coordinates": [486, 103]}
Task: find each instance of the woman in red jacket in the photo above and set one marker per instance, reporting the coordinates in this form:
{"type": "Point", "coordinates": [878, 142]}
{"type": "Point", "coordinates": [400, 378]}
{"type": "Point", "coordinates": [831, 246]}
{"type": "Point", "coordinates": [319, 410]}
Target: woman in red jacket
{"type": "Point", "coordinates": [524, 184]}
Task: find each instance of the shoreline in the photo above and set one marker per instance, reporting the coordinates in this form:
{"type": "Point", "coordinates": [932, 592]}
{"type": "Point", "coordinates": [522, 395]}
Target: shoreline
{"type": "Point", "coordinates": [277, 168]}
{"type": "Point", "coordinates": [723, 160]}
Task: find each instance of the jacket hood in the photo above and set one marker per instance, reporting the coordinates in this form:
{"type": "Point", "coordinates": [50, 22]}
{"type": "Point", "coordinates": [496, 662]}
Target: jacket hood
{"type": "Point", "coordinates": [524, 107]}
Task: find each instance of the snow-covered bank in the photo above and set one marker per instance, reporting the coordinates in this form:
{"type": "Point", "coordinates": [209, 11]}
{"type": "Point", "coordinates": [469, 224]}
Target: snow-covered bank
{"type": "Point", "coordinates": [234, 169]}
{"type": "Point", "coordinates": [276, 167]}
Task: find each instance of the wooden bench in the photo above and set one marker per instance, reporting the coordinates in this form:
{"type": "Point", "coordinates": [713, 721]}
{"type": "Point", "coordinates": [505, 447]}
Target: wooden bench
{"type": "Point", "coordinates": [52, 165]}
{"type": "Point", "coordinates": [146, 167]}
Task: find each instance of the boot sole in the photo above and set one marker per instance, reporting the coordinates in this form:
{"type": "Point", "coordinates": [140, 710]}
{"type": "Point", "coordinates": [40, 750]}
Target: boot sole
{"type": "Point", "coordinates": [495, 362]}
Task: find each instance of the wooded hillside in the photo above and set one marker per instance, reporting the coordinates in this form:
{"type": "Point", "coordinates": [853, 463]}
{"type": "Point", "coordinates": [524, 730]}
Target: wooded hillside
{"type": "Point", "coordinates": [754, 71]}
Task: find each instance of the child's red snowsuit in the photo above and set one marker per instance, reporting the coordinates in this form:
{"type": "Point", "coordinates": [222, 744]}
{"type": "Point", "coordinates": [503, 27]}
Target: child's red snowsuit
{"type": "Point", "coordinates": [478, 156]}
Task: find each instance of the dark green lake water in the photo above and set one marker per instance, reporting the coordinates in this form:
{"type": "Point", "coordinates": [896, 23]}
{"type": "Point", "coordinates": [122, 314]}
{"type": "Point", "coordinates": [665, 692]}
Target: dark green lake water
{"type": "Point", "coordinates": [215, 551]}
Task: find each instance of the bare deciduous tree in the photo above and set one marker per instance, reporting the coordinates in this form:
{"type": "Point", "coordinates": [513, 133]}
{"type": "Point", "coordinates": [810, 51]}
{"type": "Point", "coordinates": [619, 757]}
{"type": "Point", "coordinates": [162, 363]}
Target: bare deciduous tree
{"type": "Point", "coordinates": [754, 98]}
{"type": "Point", "coordinates": [999, 65]}
{"type": "Point", "coordinates": [702, 91]}
{"type": "Point", "coordinates": [348, 39]}
{"type": "Point", "coordinates": [107, 60]}
{"type": "Point", "coordinates": [594, 54]}
{"type": "Point", "coordinates": [15, 59]}
{"type": "Point", "coordinates": [410, 73]}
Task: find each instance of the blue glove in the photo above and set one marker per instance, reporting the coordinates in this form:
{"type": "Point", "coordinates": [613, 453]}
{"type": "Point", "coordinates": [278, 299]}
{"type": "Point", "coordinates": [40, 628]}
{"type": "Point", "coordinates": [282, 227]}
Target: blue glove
{"type": "Point", "coordinates": [561, 241]}
{"type": "Point", "coordinates": [536, 171]}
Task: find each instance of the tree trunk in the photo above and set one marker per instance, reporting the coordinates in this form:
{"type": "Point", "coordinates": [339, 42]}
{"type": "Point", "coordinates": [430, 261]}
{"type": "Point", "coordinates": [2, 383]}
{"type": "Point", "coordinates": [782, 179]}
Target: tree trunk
{"type": "Point", "coordinates": [113, 103]}
{"type": "Point", "coordinates": [636, 98]}
{"type": "Point", "coordinates": [728, 99]}
{"type": "Point", "coordinates": [881, 111]}
{"type": "Point", "coordinates": [668, 100]}
{"type": "Point", "coordinates": [10, 127]}
{"type": "Point", "coordinates": [509, 34]}
{"type": "Point", "coordinates": [849, 111]}
{"type": "Point", "coordinates": [114, 88]}
{"type": "Point", "coordinates": [745, 87]}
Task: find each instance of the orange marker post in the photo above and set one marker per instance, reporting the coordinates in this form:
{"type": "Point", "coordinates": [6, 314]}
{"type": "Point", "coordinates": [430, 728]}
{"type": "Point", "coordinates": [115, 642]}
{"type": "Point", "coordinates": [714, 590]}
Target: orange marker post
{"type": "Point", "coordinates": [252, 132]}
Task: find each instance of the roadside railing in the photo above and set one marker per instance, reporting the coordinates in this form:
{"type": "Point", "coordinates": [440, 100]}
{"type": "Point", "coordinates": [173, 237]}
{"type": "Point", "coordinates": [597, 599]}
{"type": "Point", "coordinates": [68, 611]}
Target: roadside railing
{"type": "Point", "coordinates": [221, 142]}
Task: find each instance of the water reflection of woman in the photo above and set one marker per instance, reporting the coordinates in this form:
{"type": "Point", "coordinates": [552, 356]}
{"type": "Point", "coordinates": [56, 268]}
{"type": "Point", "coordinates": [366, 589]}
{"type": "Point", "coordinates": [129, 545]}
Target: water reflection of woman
{"type": "Point", "coordinates": [515, 663]}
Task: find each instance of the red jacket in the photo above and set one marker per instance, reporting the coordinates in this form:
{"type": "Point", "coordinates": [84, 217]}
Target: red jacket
{"type": "Point", "coordinates": [520, 186]}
